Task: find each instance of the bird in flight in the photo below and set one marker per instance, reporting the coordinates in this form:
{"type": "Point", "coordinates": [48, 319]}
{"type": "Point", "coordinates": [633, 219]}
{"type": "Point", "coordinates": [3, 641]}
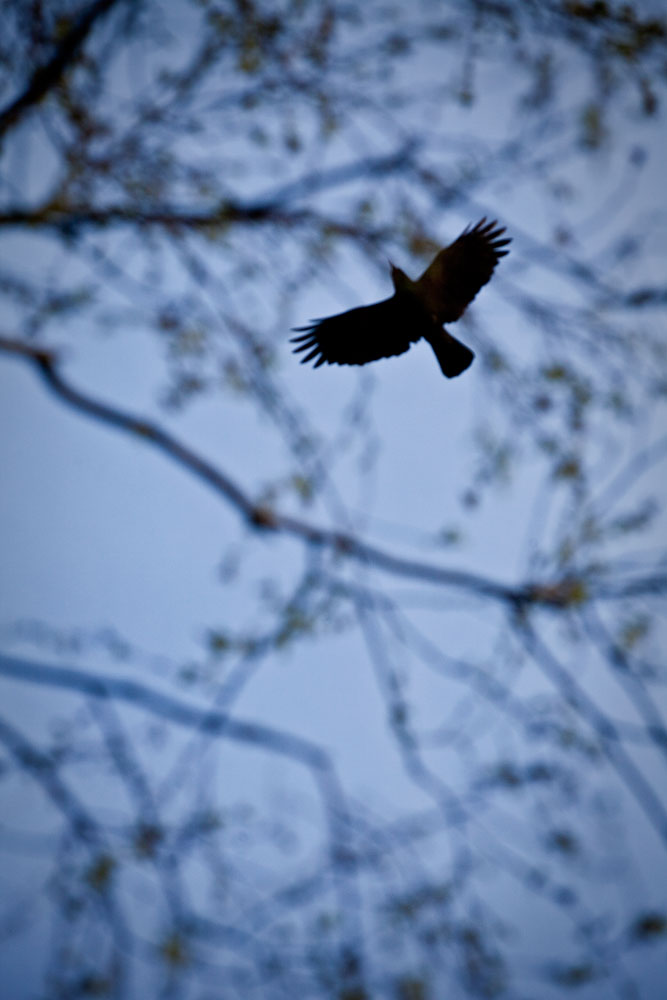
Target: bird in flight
{"type": "Point", "coordinates": [416, 309]}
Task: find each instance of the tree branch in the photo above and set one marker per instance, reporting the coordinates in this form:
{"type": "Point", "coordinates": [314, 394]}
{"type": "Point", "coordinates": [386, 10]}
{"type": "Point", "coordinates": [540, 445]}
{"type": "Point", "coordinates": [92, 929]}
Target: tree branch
{"type": "Point", "coordinates": [211, 722]}
{"type": "Point", "coordinates": [163, 706]}
{"type": "Point", "coordinates": [559, 594]}
{"type": "Point", "coordinates": [46, 76]}
{"type": "Point", "coordinates": [269, 206]}
{"type": "Point", "coordinates": [605, 730]}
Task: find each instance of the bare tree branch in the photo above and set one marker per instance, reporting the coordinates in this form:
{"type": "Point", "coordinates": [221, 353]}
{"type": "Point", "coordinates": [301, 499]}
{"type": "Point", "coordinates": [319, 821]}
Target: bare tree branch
{"type": "Point", "coordinates": [561, 593]}
{"type": "Point", "coordinates": [604, 729]}
{"type": "Point", "coordinates": [219, 725]}
{"type": "Point", "coordinates": [46, 76]}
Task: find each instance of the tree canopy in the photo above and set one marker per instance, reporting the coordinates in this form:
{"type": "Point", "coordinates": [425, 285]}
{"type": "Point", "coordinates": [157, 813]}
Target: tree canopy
{"type": "Point", "coordinates": [345, 683]}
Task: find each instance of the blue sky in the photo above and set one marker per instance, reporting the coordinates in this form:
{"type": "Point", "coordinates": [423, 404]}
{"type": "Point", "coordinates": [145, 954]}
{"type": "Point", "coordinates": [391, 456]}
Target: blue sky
{"type": "Point", "coordinates": [101, 532]}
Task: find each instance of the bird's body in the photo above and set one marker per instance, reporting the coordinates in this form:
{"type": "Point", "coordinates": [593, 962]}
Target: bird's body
{"type": "Point", "coordinates": [416, 309]}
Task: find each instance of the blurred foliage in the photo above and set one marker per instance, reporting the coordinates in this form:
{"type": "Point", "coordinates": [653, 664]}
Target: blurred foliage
{"type": "Point", "coordinates": [197, 174]}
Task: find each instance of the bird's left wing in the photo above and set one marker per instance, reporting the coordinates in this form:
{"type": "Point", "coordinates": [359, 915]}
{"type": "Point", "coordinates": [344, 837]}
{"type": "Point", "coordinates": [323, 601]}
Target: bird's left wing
{"type": "Point", "coordinates": [361, 335]}
{"type": "Point", "coordinates": [453, 279]}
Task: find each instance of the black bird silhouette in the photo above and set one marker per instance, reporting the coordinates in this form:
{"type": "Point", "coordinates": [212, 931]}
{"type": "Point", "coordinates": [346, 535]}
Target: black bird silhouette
{"type": "Point", "coordinates": [416, 309]}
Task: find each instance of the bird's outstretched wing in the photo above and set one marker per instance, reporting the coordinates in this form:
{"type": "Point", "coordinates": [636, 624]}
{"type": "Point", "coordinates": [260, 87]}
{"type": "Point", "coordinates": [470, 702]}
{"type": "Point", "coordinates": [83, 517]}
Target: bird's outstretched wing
{"type": "Point", "coordinates": [456, 274]}
{"type": "Point", "coordinates": [363, 334]}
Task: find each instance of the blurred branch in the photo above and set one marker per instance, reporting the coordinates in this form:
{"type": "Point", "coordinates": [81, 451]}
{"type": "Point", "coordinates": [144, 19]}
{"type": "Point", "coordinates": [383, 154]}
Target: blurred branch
{"type": "Point", "coordinates": [163, 706]}
{"type": "Point", "coordinates": [213, 723]}
{"type": "Point", "coordinates": [324, 180]}
{"type": "Point", "coordinates": [46, 76]}
{"type": "Point", "coordinates": [605, 730]}
{"type": "Point", "coordinates": [628, 676]}
{"type": "Point", "coordinates": [559, 594]}
{"type": "Point", "coordinates": [268, 207]}
{"type": "Point", "coordinates": [70, 220]}
{"type": "Point", "coordinates": [210, 721]}
{"type": "Point", "coordinates": [43, 769]}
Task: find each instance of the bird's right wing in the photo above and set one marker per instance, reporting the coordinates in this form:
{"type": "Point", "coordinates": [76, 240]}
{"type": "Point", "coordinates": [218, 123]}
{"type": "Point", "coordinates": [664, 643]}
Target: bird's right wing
{"type": "Point", "coordinates": [454, 277]}
{"type": "Point", "coordinates": [361, 335]}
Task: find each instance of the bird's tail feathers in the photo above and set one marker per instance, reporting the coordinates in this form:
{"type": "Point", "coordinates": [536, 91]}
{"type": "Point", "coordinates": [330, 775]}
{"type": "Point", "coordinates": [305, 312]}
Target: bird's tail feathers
{"type": "Point", "coordinates": [453, 356]}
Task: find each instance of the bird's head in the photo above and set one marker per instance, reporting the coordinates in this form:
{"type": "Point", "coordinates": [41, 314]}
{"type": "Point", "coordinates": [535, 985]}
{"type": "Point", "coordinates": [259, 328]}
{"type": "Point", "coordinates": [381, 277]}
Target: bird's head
{"type": "Point", "coordinates": [399, 278]}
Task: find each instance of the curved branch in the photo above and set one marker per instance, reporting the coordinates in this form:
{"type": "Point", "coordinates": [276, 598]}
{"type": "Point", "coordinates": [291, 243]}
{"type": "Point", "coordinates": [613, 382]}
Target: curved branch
{"type": "Point", "coordinates": [46, 76]}
{"type": "Point", "coordinates": [218, 724]}
{"type": "Point", "coordinates": [268, 207]}
{"type": "Point", "coordinates": [44, 771]}
{"type": "Point", "coordinates": [168, 708]}
{"type": "Point", "coordinates": [559, 594]}
{"type": "Point", "coordinates": [605, 730]}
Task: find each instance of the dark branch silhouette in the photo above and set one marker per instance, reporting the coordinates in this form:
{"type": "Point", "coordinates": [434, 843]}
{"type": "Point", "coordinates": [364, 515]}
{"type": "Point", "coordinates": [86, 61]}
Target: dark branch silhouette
{"type": "Point", "coordinates": [46, 76]}
{"type": "Point", "coordinates": [561, 593]}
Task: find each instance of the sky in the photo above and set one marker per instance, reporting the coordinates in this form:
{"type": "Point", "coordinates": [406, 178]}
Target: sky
{"type": "Point", "coordinates": [103, 536]}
